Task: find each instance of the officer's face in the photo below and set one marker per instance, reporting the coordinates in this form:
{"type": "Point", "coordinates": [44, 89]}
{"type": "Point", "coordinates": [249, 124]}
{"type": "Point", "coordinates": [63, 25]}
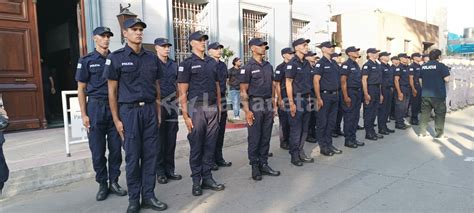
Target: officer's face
{"type": "Point", "coordinates": [238, 63]}
{"type": "Point", "coordinates": [103, 40]}
{"type": "Point", "coordinates": [417, 59]}
{"type": "Point", "coordinates": [288, 56]}
{"type": "Point", "coordinates": [163, 51]}
{"type": "Point", "coordinates": [404, 60]}
{"type": "Point", "coordinates": [384, 59]}
{"type": "Point", "coordinates": [260, 50]}
{"type": "Point", "coordinates": [426, 59]}
{"type": "Point", "coordinates": [134, 34]}
{"type": "Point", "coordinates": [199, 45]}
{"type": "Point", "coordinates": [216, 53]}
{"type": "Point", "coordinates": [302, 48]}
{"type": "Point", "coordinates": [354, 54]}
{"type": "Point", "coordinates": [311, 59]}
{"type": "Point", "coordinates": [328, 50]}
{"type": "Point", "coordinates": [396, 62]}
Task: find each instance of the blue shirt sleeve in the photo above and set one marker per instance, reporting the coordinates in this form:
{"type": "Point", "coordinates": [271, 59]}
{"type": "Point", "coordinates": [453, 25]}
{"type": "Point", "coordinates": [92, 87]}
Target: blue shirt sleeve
{"type": "Point", "coordinates": [159, 69]}
{"type": "Point", "coordinates": [366, 69]}
{"type": "Point", "coordinates": [82, 73]}
{"type": "Point", "coordinates": [111, 72]}
{"type": "Point", "coordinates": [397, 71]}
{"type": "Point", "coordinates": [290, 70]}
{"type": "Point", "coordinates": [184, 73]}
{"type": "Point", "coordinates": [445, 71]}
{"type": "Point", "coordinates": [245, 74]}
{"type": "Point", "coordinates": [318, 69]}
{"type": "Point", "coordinates": [345, 69]}
{"type": "Point", "coordinates": [411, 70]}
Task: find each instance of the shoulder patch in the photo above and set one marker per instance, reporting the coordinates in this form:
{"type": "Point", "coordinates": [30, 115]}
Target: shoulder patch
{"type": "Point", "coordinates": [79, 65]}
{"type": "Point", "coordinates": [180, 69]}
{"type": "Point", "coordinates": [365, 67]}
{"type": "Point", "coordinates": [242, 71]}
{"type": "Point", "coordinates": [411, 69]}
{"type": "Point", "coordinates": [318, 65]}
{"type": "Point", "coordinates": [107, 62]}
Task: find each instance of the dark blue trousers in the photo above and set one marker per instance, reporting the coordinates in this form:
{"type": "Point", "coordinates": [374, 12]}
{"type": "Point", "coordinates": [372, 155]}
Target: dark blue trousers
{"type": "Point", "coordinates": [351, 114]}
{"type": "Point", "coordinates": [312, 118]}
{"type": "Point", "coordinates": [401, 106]}
{"type": "Point", "coordinates": [327, 116]}
{"type": "Point", "coordinates": [260, 133]}
{"type": "Point", "coordinates": [168, 131]}
{"type": "Point", "coordinates": [102, 136]}
{"type": "Point", "coordinates": [218, 156]}
{"type": "Point", "coordinates": [141, 145]}
{"type": "Point", "coordinates": [415, 103]}
{"type": "Point", "coordinates": [384, 108]}
{"type": "Point", "coordinates": [340, 114]}
{"type": "Point", "coordinates": [4, 172]}
{"type": "Point", "coordinates": [202, 140]}
{"type": "Point", "coordinates": [371, 109]}
{"type": "Point", "coordinates": [299, 127]}
{"type": "Point", "coordinates": [284, 125]}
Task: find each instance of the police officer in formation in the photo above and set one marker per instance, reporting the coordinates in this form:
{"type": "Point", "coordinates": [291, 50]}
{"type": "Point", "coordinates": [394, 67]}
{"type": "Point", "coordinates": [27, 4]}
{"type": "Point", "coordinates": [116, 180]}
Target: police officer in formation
{"type": "Point", "coordinates": [282, 98]}
{"type": "Point", "coordinates": [326, 86]}
{"type": "Point", "coordinates": [215, 52]}
{"type": "Point", "coordinates": [298, 87]}
{"type": "Point", "coordinates": [415, 100]}
{"type": "Point", "coordinates": [402, 86]}
{"type": "Point", "coordinates": [340, 113]}
{"type": "Point", "coordinates": [96, 115]}
{"type": "Point", "coordinates": [351, 96]}
{"type": "Point", "coordinates": [258, 99]}
{"type": "Point", "coordinates": [133, 75]}
{"type": "Point", "coordinates": [165, 167]}
{"type": "Point", "coordinates": [311, 137]}
{"type": "Point", "coordinates": [387, 93]}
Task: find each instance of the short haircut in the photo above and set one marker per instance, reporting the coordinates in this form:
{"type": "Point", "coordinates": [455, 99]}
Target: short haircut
{"type": "Point", "coordinates": [435, 54]}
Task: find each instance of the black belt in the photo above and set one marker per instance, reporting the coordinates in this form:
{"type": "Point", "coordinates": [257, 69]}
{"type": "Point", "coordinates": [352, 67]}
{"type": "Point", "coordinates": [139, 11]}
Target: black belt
{"type": "Point", "coordinates": [137, 104]}
{"type": "Point", "coordinates": [374, 85]}
{"type": "Point", "coordinates": [101, 101]}
{"type": "Point", "coordinates": [331, 92]}
{"type": "Point", "coordinates": [355, 88]}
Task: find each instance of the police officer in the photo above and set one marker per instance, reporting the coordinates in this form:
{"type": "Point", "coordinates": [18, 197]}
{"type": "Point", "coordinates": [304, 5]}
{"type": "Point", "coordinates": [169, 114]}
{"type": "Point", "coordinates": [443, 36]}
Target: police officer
{"type": "Point", "coordinates": [96, 115]}
{"type": "Point", "coordinates": [198, 83]}
{"type": "Point", "coordinates": [215, 52]}
{"type": "Point", "coordinates": [133, 75]}
{"type": "Point", "coordinates": [326, 86]}
{"type": "Point", "coordinates": [414, 75]}
{"type": "Point", "coordinates": [4, 171]}
{"type": "Point", "coordinates": [311, 138]}
{"type": "Point", "coordinates": [394, 67]}
{"type": "Point", "coordinates": [340, 113]}
{"type": "Point", "coordinates": [371, 85]}
{"type": "Point", "coordinates": [165, 167]}
{"type": "Point", "coordinates": [351, 96]}
{"type": "Point", "coordinates": [426, 58]}
{"type": "Point", "coordinates": [387, 93]}
{"type": "Point", "coordinates": [298, 87]}
{"type": "Point", "coordinates": [258, 99]}
{"type": "Point", "coordinates": [435, 76]}
{"type": "Point", "coordinates": [282, 99]}
{"type": "Point", "coordinates": [401, 82]}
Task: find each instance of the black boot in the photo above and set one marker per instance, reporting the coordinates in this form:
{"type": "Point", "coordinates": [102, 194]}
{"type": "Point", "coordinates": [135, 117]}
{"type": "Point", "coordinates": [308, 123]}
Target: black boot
{"type": "Point", "coordinates": [267, 170]}
{"type": "Point", "coordinates": [115, 188]}
{"type": "Point", "coordinates": [133, 207]}
{"type": "Point", "coordinates": [197, 190]}
{"type": "Point", "coordinates": [256, 174]}
{"type": "Point", "coordinates": [154, 204]}
{"type": "Point", "coordinates": [211, 184]}
{"type": "Point", "coordinates": [103, 192]}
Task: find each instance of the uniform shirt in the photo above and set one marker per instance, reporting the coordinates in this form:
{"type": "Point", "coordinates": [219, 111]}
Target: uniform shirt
{"type": "Point", "coordinates": [90, 70]}
{"type": "Point", "coordinates": [259, 77]}
{"type": "Point", "coordinates": [221, 70]}
{"type": "Point", "coordinates": [136, 74]}
{"type": "Point", "coordinates": [168, 80]}
{"type": "Point", "coordinates": [351, 69]}
{"type": "Point", "coordinates": [415, 70]}
{"type": "Point", "coordinates": [433, 73]}
{"type": "Point", "coordinates": [373, 71]}
{"type": "Point", "coordinates": [300, 72]}
{"type": "Point", "coordinates": [233, 75]}
{"type": "Point", "coordinates": [279, 76]}
{"type": "Point", "coordinates": [402, 72]}
{"type": "Point", "coordinates": [201, 75]}
{"type": "Point", "coordinates": [387, 75]}
{"type": "Point", "coordinates": [328, 70]}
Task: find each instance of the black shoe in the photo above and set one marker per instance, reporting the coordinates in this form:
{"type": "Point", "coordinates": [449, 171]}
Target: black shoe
{"type": "Point", "coordinates": [133, 207]}
{"type": "Point", "coordinates": [296, 161]}
{"type": "Point", "coordinates": [173, 176]}
{"type": "Point", "coordinates": [334, 135]}
{"type": "Point", "coordinates": [379, 136]}
{"type": "Point", "coordinates": [327, 152]}
{"type": "Point", "coordinates": [306, 160]}
{"type": "Point", "coordinates": [350, 145]}
{"type": "Point", "coordinates": [371, 137]}
{"type": "Point", "coordinates": [270, 154]}
{"type": "Point", "coordinates": [211, 184]}
{"type": "Point", "coordinates": [340, 133]}
{"type": "Point", "coordinates": [214, 167]}
{"type": "Point", "coordinates": [162, 179]}
{"type": "Point", "coordinates": [335, 150]}
{"type": "Point", "coordinates": [197, 190]}
{"type": "Point", "coordinates": [267, 170]}
{"type": "Point", "coordinates": [383, 132]}
{"type": "Point", "coordinates": [224, 164]}
{"type": "Point", "coordinates": [256, 175]}
{"type": "Point", "coordinates": [311, 140]}
{"type": "Point", "coordinates": [390, 130]}
{"type": "Point", "coordinates": [360, 127]}
{"type": "Point", "coordinates": [116, 189]}
{"type": "Point", "coordinates": [103, 192]}
{"type": "Point", "coordinates": [358, 143]}
{"type": "Point", "coordinates": [154, 204]}
{"type": "Point", "coordinates": [392, 117]}
{"type": "Point", "coordinates": [403, 127]}
{"type": "Point", "coordinates": [285, 146]}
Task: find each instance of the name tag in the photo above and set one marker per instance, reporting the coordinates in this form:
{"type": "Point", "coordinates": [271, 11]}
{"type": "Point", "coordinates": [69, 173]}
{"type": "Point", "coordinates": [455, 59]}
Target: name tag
{"type": "Point", "coordinates": [386, 70]}
{"type": "Point", "coordinates": [353, 68]}
{"type": "Point", "coordinates": [374, 67]}
{"type": "Point", "coordinates": [344, 66]}
{"type": "Point", "coordinates": [429, 67]}
{"type": "Point", "coordinates": [327, 67]}
{"type": "Point", "coordinates": [255, 71]}
{"type": "Point", "coordinates": [365, 67]}
{"type": "Point", "coordinates": [277, 71]}
{"type": "Point", "coordinates": [127, 63]}
{"type": "Point", "coordinates": [94, 65]}
{"type": "Point", "coordinates": [196, 66]}
{"type": "Point", "coordinates": [298, 68]}
{"type": "Point", "coordinates": [398, 69]}
{"type": "Point", "coordinates": [289, 67]}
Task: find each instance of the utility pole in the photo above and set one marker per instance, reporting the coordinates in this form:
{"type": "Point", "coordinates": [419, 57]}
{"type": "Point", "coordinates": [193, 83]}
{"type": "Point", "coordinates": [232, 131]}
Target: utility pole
{"type": "Point", "coordinates": [291, 22]}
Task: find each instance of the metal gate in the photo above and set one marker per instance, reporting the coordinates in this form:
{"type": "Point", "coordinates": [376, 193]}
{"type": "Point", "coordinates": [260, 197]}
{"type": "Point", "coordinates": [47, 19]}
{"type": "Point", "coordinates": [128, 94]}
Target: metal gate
{"type": "Point", "coordinates": [188, 18]}
{"type": "Point", "coordinates": [254, 25]}
{"type": "Point", "coordinates": [298, 28]}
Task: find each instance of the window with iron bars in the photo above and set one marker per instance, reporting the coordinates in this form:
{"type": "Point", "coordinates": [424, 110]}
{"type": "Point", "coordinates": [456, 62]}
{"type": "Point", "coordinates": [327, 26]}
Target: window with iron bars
{"type": "Point", "coordinates": [188, 17]}
{"type": "Point", "coordinates": [297, 28]}
{"type": "Point", "coordinates": [254, 25]}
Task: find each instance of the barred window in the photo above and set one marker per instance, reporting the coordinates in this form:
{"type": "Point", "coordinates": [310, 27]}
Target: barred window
{"type": "Point", "coordinates": [298, 28]}
{"type": "Point", "coordinates": [188, 17]}
{"type": "Point", "coordinates": [254, 25]}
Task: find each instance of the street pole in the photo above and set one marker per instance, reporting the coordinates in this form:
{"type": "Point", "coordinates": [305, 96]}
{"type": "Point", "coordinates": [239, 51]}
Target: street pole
{"type": "Point", "coordinates": [291, 22]}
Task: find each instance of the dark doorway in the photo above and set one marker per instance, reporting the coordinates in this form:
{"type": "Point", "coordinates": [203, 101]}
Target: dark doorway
{"type": "Point", "coordinates": [58, 29]}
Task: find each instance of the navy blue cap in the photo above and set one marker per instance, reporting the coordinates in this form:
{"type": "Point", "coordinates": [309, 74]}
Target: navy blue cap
{"type": "Point", "coordinates": [415, 55]}
{"type": "Point", "coordinates": [310, 53]}
{"type": "Point", "coordinates": [384, 54]}
{"type": "Point", "coordinates": [326, 44]}
{"type": "Point", "coordinates": [287, 50]}
{"type": "Point", "coordinates": [215, 45]}
{"type": "Point", "coordinates": [162, 42]}
{"type": "Point", "coordinates": [395, 58]}
{"type": "Point", "coordinates": [198, 35]}
{"type": "Point", "coordinates": [373, 50]}
{"type": "Point", "coordinates": [300, 41]}
{"type": "Point", "coordinates": [257, 42]}
{"type": "Point", "coordinates": [352, 49]}
{"type": "Point", "coordinates": [403, 55]}
{"type": "Point", "coordinates": [335, 55]}
{"type": "Point", "coordinates": [102, 30]}
{"type": "Point", "coordinates": [132, 22]}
